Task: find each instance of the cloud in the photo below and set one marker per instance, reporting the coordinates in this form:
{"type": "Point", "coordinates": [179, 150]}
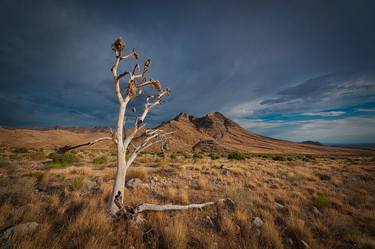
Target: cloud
{"type": "Point", "coordinates": [347, 130]}
{"type": "Point", "coordinates": [365, 110]}
{"type": "Point", "coordinates": [324, 114]}
{"type": "Point", "coordinates": [330, 91]}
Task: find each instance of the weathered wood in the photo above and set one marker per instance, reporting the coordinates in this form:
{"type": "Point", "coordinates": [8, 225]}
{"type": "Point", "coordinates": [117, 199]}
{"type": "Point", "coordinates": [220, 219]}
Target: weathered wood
{"type": "Point", "coordinates": [124, 140]}
{"type": "Point", "coordinates": [168, 207]}
{"type": "Point", "coordinates": [66, 148]}
{"type": "Point", "coordinates": [147, 207]}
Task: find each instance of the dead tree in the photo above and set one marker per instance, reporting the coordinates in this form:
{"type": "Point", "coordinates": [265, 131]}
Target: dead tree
{"type": "Point", "coordinates": [136, 80]}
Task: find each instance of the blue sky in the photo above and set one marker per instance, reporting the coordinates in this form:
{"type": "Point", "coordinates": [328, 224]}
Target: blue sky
{"type": "Point", "coordinates": [296, 70]}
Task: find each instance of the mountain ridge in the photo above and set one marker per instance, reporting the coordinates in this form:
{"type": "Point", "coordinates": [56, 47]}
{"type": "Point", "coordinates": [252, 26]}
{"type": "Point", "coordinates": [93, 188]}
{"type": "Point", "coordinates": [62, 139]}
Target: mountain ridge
{"type": "Point", "coordinates": [211, 132]}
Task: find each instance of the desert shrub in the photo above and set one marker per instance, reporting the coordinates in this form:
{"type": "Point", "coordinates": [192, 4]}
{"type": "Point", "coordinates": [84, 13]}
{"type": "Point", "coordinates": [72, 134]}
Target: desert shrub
{"type": "Point", "coordinates": [20, 150]}
{"type": "Point", "coordinates": [173, 156]}
{"type": "Point", "coordinates": [308, 158]}
{"type": "Point", "coordinates": [186, 155]}
{"type": "Point", "coordinates": [324, 177]}
{"type": "Point", "coordinates": [139, 172]}
{"type": "Point", "coordinates": [61, 160]}
{"type": "Point", "coordinates": [236, 155]}
{"type": "Point", "coordinates": [37, 155]}
{"type": "Point", "coordinates": [6, 165]}
{"type": "Point", "coordinates": [100, 160]}
{"type": "Point", "coordinates": [198, 155]}
{"type": "Point", "coordinates": [279, 158]}
{"type": "Point", "coordinates": [77, 183]}
{"type": "Point", "coordinates": [321, 201]}
{"type": "Point", "coordinates": [214, 155]}
{"type": "Point", "coordinates": [264, 155]}
{"type": "Point", "coordinates": [142, 153]}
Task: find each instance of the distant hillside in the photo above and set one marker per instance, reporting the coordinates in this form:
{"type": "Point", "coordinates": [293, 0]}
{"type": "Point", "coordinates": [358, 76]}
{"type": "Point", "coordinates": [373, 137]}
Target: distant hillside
{"type": "Point", "coordinates": [224, 134]}
{"type": "Point", "coordinates": [212, 132]}
{"type": "Point", "coordinates": [311, 142]}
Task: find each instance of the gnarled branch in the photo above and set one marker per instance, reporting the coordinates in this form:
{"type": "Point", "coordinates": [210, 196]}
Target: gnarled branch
{"type": "Point", "coordinates": [68, 147]}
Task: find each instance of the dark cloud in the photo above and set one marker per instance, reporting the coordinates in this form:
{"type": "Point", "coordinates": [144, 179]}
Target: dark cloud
{"type": "Point", "coordinates": [336, 88]}
{"type": "Point", "coordinates": [55, 56]}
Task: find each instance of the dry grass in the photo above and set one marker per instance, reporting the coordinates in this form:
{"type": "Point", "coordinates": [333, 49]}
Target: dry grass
{"type": "Point", "coordinates": [202, 183]}
{"type": "Point", "coordinates": [171, 193]}
{"type": "Point", "coordinates": [228, 227]}
{"type": "Point", "coordinates": [327, 203]}
{"type": "Point", "coordinates": [183, 196]}
{"type": "Point", "coordinates": [175, 234]}
{"type": "Point", "coordinates": [270, 236]}
{"type": "Point", "coordinates": [136, 172]}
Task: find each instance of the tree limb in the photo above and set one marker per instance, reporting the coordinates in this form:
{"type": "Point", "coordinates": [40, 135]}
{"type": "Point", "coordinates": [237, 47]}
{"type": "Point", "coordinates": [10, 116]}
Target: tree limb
{"type": "Point", "coordinates": [68, 147]}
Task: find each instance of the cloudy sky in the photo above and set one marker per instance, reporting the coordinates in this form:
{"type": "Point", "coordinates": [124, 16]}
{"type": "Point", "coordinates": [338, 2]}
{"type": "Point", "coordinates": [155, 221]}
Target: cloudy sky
{"type": "Point", "coordinates": [296, 70]}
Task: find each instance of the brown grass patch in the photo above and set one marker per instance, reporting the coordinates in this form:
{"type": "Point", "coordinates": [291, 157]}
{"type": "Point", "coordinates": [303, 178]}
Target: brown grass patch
{"type": "Point", "coordinates": [138, 172]}
{"type": "Point", "coordinates": [175, 234]}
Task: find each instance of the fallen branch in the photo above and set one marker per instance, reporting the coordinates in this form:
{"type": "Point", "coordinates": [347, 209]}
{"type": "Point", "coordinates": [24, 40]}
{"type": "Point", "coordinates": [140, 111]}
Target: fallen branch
{"type": "Point", "coordinates": [146, 207]}
{"type": "Point", "coordinates": [68, 147]}
{"type": "Point", "coordinates": [153, 207]}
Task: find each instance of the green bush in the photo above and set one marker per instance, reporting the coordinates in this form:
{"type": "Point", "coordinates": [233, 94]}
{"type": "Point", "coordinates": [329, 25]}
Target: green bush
{"type": "Point", "coordinates": [186, 155]}
{"type": "Point", "coordinates": [264, 155]}
{"type": "Point", "coordinates": [321, 201]}
{"type": "Point", "coordinates": [173, 156]}
{"type": "Point", "coordinates": [20, 150]}
{"type": "Point", "coordinates": [214, 155]}
{"type": "Point", "coordinates": [100, 160]}
{"type": "Point", "coordinates": [308, 158]}
{"type": "Point", "coordinates": [61, 160]}
{"type": "Point", "coordinates": [198, 155]}
{"type": "Point", "coordinates": [279, 158]}
{"type": "Point", "coordinates": [37, 155]}
{"type": "Point", "coordinates": [236, 155]}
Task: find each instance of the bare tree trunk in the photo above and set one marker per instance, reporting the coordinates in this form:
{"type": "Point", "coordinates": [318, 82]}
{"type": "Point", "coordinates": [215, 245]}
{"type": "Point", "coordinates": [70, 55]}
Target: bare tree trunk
{"type": "Point", "coordinates": [135, 88]}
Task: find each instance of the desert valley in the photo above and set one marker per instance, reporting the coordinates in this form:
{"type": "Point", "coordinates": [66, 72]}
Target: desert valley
{"type": "Point", "coordinates": [187, 124]}
{"type": "Point", "coordinates": [285, 195]}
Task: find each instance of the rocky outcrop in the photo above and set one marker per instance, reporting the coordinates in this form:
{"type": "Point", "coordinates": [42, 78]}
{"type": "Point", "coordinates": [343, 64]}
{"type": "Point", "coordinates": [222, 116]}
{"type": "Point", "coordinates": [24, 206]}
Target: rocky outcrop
{"type": "Point", "coordinates": [208, 146]}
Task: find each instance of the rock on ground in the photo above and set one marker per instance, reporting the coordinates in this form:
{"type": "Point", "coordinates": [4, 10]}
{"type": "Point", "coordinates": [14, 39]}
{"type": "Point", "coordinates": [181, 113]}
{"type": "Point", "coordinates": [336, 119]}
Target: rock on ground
{"type": "Point", "coordinates": [24, 229]}
{"type": "Point", "coordinates": [257, 222]}
{"type": "Point", "coordinates": [92, 186]}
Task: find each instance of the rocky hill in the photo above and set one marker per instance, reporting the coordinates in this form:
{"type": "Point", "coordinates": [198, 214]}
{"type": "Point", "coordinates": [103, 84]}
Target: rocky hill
{"type": "Point", "coordinates": [212, 132]}
{"type": "Point", "coordinates": [217, 132]}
